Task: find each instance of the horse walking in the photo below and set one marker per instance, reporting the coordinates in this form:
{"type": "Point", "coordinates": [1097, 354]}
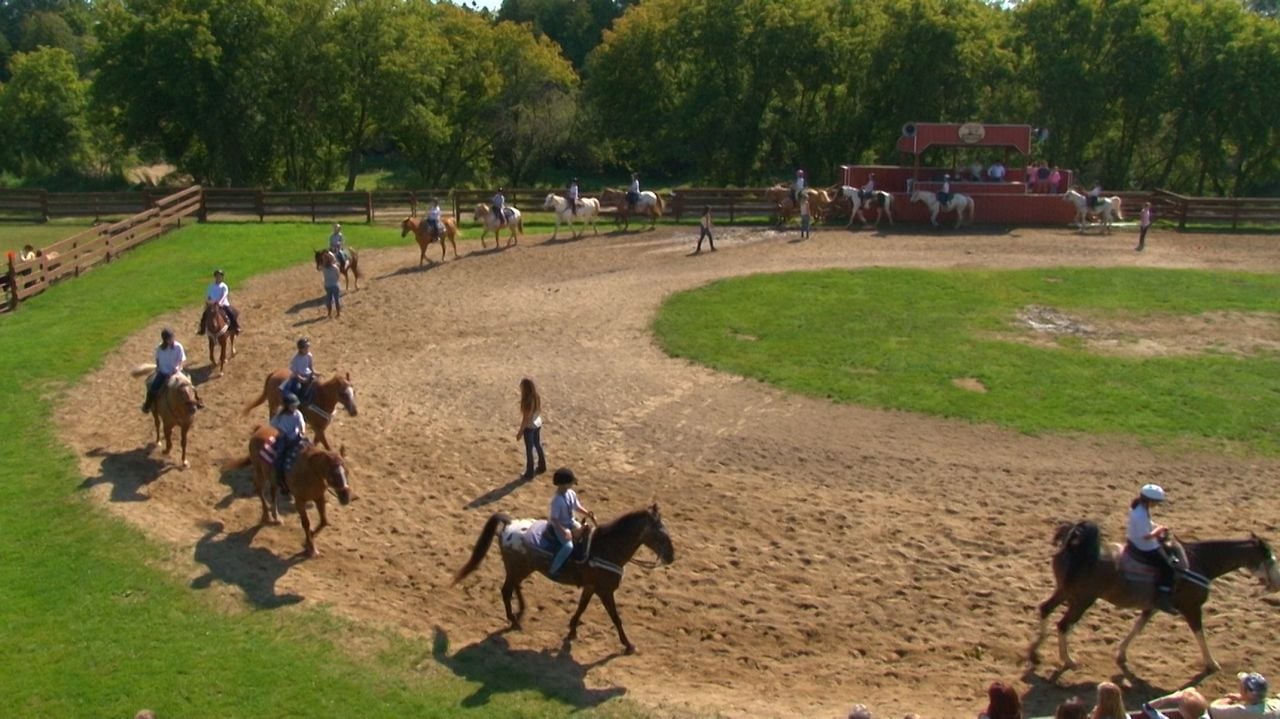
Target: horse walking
{"type": "Point", "coordinates": [609, 549]}
{"type": "Point", "coordinates": [649, 204]}
{"type": "Point", "coordinates": [491, 224]}
{"type": "Point", "coordinates": [1105, 207]}
{"type": "Point", "coordinates": [217, 327]}
{"type": "Point", "coordinates": [782, 196]}
{"type": "Point", "coordinates": [174, 406]}
{"type": "Point", "coordinates": [588, 212]}
{"type": "Point", "coordinates": [422, 232]}
{"type": "Point", "coordinates": [959, 203]}
{"type": "Point", "coordinates": [318, 406]}
{"type": "Point", "coordinates": [352, 265]}
{"type": "Point", "coordinates": [880, 201]}
{"type": "Point", "coordinates": [1085, 571]}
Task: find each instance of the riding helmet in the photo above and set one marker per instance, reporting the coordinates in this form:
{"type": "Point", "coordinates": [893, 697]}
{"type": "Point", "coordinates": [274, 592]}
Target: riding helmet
{"type": "Point", "coordinates": [217, 273]}
{"type": "Point", "coordinates": [1153, 492]}
{"type": "Point", "coordinates": [290, 399]}
{"type": "Point", "coordinates": [304, 343]}
{"type": "Point", "coordinates": [166, 334]}
{"type": "Point", "coordinates": [563, 476]}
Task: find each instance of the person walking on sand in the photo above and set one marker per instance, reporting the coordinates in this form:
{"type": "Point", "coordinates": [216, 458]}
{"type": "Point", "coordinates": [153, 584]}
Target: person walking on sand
{"type": "Point", "coordinates": [805, 218]}
{"type": "Point", "coordinates": [531, 428]}
{"type": "Point", "coordinates": [705, 230]}
{"type": "Point", "coordinates": [1144, 224]}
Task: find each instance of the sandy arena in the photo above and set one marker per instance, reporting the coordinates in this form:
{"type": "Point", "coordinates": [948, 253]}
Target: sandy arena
{"type": "Point", "coordinates": [825, 554]}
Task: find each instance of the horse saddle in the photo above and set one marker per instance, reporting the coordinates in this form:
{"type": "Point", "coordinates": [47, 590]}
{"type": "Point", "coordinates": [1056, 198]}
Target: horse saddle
{"type": "Point", "coordinates": [269, 455]}
{"type": "Point", "coordinates": [508, 214]}
{"type": "Point", "coordinates": [944, 199]}
{"type": "Point", "coordinates": [1136, 569]}
{"type": "Point", "coordinates": [540, 537]}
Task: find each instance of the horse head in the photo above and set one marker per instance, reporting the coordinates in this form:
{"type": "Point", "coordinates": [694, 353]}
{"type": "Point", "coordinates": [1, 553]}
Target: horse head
{"type": "Point", "coordinates": [189, 398]}
{"type": "Point", "coordinates": [336, 477]}
{"type": "Point", "coordinates": [409, 225]}
{"type": "Point", "coordinates": [916, 196]}
{"type": "Point", "coordinates": [481, 212]}
{"type": "Point", "coordinates": [346, 393]}
{"type": "Point", "coordinates": [655, 536]}
{"type": "Point", "coordinates": [550, 202]}
{"type": "Point", "coordinates": [1266, 570]}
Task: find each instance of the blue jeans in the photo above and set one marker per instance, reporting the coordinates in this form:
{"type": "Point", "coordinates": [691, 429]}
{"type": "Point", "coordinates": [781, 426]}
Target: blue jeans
{"type": "Point", "coordinates": [562, 556]}
{"type": "Point", "coordinates": [154, 388]}
{"type": "Point", "coordinates": [332, 297]}
{"type": "Point", "coordinates": [533, 441]}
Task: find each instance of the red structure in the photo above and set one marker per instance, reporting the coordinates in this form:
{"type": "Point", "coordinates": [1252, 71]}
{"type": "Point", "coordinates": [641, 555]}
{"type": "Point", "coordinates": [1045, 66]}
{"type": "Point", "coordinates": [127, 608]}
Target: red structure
{"type": "Point", "coordinates": [1014, 201]}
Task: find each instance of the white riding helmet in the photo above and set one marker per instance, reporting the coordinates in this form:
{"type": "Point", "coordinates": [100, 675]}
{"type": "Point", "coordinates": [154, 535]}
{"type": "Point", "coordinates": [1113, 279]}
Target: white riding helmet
{"type": "Point", "coordinates": [1153, 492]}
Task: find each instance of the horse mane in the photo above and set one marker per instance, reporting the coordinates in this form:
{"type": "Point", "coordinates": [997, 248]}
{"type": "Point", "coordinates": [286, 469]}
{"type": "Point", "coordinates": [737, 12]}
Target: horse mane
{"type": "Point", "coordinates": [622, 521]}
{"type": "Point", "coordinates": [1080, 544]}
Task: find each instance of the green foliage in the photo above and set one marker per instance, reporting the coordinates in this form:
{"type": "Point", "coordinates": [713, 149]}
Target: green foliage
{"type": "Point", "coordinates": [898, 338]}
{"type": "Point", "coordinates": [43, 106]}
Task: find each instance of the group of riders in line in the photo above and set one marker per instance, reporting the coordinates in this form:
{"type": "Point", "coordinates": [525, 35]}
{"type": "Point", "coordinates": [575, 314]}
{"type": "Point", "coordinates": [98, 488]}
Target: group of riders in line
{"type": "Point", "coordinates": [573, 194]}
{"type": "Point", "coordinates": [944, 192]}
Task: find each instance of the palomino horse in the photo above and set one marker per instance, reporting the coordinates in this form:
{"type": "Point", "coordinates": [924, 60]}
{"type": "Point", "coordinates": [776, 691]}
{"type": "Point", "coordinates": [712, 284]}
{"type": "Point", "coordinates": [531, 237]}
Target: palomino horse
{"type": "Point", "coordinates": [314, 470]}
{"type": "Point", "coordinates": [781, 195]}
{"type": "Point", "coordinates": [1085, 571]}
{"type": "Point", "coordinates": [425, 237]}
{"type": "Point", "coordinates": [316, 409]}
{"type": "Point", "coordinates": [588, 212]}
{"type": "Point", "coordinates": [1104, 208]}
{"type": "Point", "coordinates": [609, 549]}
{"type": "Point", "coordinates": [217, 329]}
{"type": "Point", "coordinates": [514, 222]}
{"type": "Point", "coordinates": [959, 203]}
{"type": "Point", "coordinates": [175, 406]}
{"type": "Point", "coordinates": [352, 266]}
{"type": "Point", "coordinates": [650, 203]}
{"type": "Point", "coordinates": [879, 200]}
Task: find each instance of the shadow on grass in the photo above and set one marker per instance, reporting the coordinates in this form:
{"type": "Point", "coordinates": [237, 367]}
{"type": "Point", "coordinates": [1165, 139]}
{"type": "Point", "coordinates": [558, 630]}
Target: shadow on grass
{"type": "Point", "coordinates": [499, 669]}
{"type": "Point", "coordinates": [229, 558]}
{"type": "Point", "coordinates": [128, 472]}
{"type": "Point", "coordinates": [497, 493]}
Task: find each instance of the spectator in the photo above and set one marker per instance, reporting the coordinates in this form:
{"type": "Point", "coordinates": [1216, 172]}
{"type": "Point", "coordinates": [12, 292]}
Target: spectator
{"type": "Point", "coordinates": [1110, 703]}
{"type": "Point", "coordinates": [996, 172]}
{"type": "Point", "coordinates": [530, 429]}
{"type": "Point", "coordinates": [1144, 224]}
{"type": "Point", "coordinates": [805, 218]}
{"type": "Point", "coordinates": [705, 230]}
{"type": "Point", "coordinates": [975, 171]}
{"type": "Point", "coordinates": [1187, 704]}
{"type": "Point", "coordinates": [1072, 708]}
{"type": "Point", "coordinates": [1002, 702]}
{"type": "Point", "coordinates": [1042, 178]}
{"type": "Point", "coordinates": [1055, 177]}
{"type": "Point", "coordinates": [1250, 703]}
{"type": "Point", "coordinates": [859, 711]}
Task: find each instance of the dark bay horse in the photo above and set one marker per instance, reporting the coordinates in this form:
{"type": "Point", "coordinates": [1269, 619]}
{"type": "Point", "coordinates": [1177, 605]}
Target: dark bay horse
{"type": "Point", "coordinates": [350, 269]}
{"type": "Point", "coordinates": [175, 406]}
{"type": "Point", "coordinates": [422, 232]}
{"type": "Point", "coordinates": [314, 471]}
{"type": "Point", "coordinates": [611, 547]}
{"type": "Point", "coordinates": [318, 409]}
{"type": "Point", "coordinates": [217, 329]}
{"type": "Point", "coordinates": [1085, 571]}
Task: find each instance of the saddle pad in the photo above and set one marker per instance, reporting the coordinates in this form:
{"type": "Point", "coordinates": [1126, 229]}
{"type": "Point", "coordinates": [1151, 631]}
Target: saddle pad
{"type": "Point", "coordinates": [1132, 568]}
{"type": "Point", "coordinates": [517, 536]}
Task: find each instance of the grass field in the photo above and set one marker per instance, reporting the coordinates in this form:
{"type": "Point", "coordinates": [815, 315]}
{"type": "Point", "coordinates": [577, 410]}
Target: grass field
{"type": "Point", "coordinates": [898, 339]}
{"type": "Point", "coordinates": [91, 628]}
{"type": "Point", "coordinates": [13, 235]}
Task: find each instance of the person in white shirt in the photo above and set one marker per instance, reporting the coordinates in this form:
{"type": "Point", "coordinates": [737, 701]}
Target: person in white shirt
{"type": "Point", "coordinates": [573, 195]}
{"type": "Point", "coordinates": [337, 245]}
{"type": "Point", "coordinates": [633, 192]}
{"type": "Point", "coordinates": [302, 370]}
{"type": "Point", "coordinates": [220, 295]}
{"type": "Point", "coordinates": [563, 516]}
{"type": "Point", "coordinates": [170, 359]}
{"type": "Point", "coordinates": [498, 206]}
{"type": "Point", "coordinates": [1143, 537]}
{"type": "Point", "coordinates": [797, 187]}
{"type": "Point", "coordinates": [291, 430]}
{"type": "Point", "coordinates": [1094, 195]}
{"type": "Point", "coordinates": [996, 172]}
{"type": "Point", "coordinates": [433, 219]}
{"type": "Point", "coordinates": [868, 189]}
{"type": "Point", "coordinates": [944, 193]}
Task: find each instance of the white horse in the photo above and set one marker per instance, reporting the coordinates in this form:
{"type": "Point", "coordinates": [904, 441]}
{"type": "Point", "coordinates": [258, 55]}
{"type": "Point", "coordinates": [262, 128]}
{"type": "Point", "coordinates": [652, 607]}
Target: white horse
{"type": "Point", "coordinates": [880, 200]}
{"type": "Point", "coordinates": [1104, 208]}
{"type": "Point", "coordinates": [514, 223]}
{"type": "Point", "coordinates": [959, 203]}
{"type": "Point", "coordinates": [588, 212]}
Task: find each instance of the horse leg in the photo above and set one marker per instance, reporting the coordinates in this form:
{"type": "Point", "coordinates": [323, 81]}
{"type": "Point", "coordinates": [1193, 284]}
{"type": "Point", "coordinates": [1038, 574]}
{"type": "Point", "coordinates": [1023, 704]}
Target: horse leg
{"type": "Point", "coordinates": [422, 254]}
{"type": "Point", "coordinates": [606, 598]}
{"type": "Point", "coordinates": [231, 340]}
{"type": "Point", "coordinates": [324, 517]}
{"type": "Point", "coordinates": [453, 241]}
{"type": "Point", "coordinates": [309, 543]}
{"type": "Point", "coordinates": [168, 437]}
{"type": "Point", "coordinates": [583, 601]}
{"type": "Point", "coordinates": [212, 341]}
{"type": "Point", "coordinates": [933, 216]}
{"type": "Point", "coordinates": [1046, 608]}
{"type": "Point", "coordinates": [1196, 622]}
{"type": "Point", "coordinates": [1065, 625]}
{"type": "Point", "coordinates": [156, 416]}
{"type": "Point", "coordinates": [1122, 651]}
{"type": "Point", "coordinates": [185, 428]}
{"type": "Point", "coordinates": [509, 587]}
{"type": "Point", "coordinates": [321, 439]}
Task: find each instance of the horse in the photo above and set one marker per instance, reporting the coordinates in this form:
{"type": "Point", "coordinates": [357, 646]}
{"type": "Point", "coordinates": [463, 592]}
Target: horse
{"type": "Point", "coordinates": [1084, 571]}
{"type": "Point", "coordinates": [318, 408]}
{"type": "Point", "coordinates": [422, 232]}
{"type": "Point", "coordinates": [880, 200]}
{"type": "Point", "coordinates": [782, 196]}
{"type": "Point", "coordinates": [960, 203]}
{"type": "Point", "coordinates": [313, 472]}
{"type": "Point", "coordinates": [1103, 209]}
{"type": "Point", "coordinates": [514, 222]}
{"type": "Point", "coordinates": [609, 548]}
{"type": "Point", "coordinates": [216, 328]}
{"type": "Point", "coordinates": [650, 203]}
{"type": "Point", "coordinates": [352, 265]}
{"type": "Point", "coordinates": [588, 211]}
{"type": "Point", "coordinates": [175, 406]}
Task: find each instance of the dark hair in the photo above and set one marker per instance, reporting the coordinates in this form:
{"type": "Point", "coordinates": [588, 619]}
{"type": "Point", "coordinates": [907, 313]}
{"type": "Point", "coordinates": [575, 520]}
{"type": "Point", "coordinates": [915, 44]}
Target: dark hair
{"type": "Point", "coordinates": [1003, 702]}
{"type": "Point", "coordinates": [706, 209]}
{"type": "Point", "coordinates": [1072, 708]}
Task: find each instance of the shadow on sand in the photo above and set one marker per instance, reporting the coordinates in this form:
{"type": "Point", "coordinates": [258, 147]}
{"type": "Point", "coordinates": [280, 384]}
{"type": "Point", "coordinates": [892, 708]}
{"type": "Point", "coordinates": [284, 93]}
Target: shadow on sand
{"type": "Point", "coordinates": [1047, 692]}
{"type": "Point", "coordinates": [128, 472]}
{"type": "Point", "coordinates": [231, 559]}
{"type": "Point", "coordinates": [497, 493]}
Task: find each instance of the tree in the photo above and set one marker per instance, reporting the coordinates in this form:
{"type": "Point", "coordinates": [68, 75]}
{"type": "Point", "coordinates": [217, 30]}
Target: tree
{"type": "Point", "coordinates": [43, 108]}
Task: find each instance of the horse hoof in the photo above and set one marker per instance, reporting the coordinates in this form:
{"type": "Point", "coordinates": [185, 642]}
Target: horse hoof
{"type": "Point", "coordinates": [629, 649]}
{"type": "Point", "coordinates": [1213, 668]}
{"type": "Point", "coordinates": [185, 464]}
{"type": "Point", "coordinates": [311, 553]}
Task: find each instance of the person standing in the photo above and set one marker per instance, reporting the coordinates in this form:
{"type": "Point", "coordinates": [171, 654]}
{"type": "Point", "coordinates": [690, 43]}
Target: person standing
{"type": "Point", "coordinates": [170, 359]}
{"type": "Point", "coordinates": [705, 230]}
{"type": "Point", "coordinates": [563, 517]}
{"type": "Point", "coordinates": [332, 293]}
{"type": "Point", "coordinates": [805, 218]}
{"type": "Point", "coordinates": [1144, 224]}
{"type": "Point", "coordinates": [531, 429]}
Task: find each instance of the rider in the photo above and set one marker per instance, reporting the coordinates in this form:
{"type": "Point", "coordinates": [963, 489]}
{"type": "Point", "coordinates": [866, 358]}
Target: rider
{"type": "Point", "coordinates": [573, 195]}
{"type": "Point", "coordinates": [337, 244]}
{"type": "Point", "coordinates": [868, 189]}
{"type": "Point", "coordinates": [219, 294]}
{"type": "Point", "coordinates": [1144, 541]}
{"type": "Point", "coordinates": [291, 431]}
{"type": "Point", "coordinates": [499, 203]}
{"type": "Point", "coordinates": [564, 506]}
{"type": "Point", "coordinates": [301, 370]}
{"type": "Point", "coordinates": [944, 194]}
{"type": "Point", "coordinates": [433, 219]}
{"type": "Point", "coordinates": [1095, 194]}
{"type": "Point", "coordinates": [797, 187]}
{"type": "Point", "coordinates": [170, 357]}
{"type": "Point", "coordinates": [633, 192]}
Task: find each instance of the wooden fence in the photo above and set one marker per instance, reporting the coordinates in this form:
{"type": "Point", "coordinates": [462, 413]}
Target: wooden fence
{"type": "Point", "coordinates": [99, 244]}
{"type": "Point", "coordinates": [1216, 210]}
{"type": "Point", "coordinates": [725, 203]}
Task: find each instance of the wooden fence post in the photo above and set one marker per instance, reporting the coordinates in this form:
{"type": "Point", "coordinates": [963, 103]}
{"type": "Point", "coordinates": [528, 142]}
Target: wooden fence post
{"type": "Point", "coordinates": [44, 205]}
{"type": "Point", "coordinates": [368, 206]}
{"type": "Point", "coordinates": [262, 206]}
{"type": "Point", "coordinates": [203, 213]}
{"type": "Point", "coordinates": [312, 197]}
{"type": "Point", "coordinates": [11, 279]}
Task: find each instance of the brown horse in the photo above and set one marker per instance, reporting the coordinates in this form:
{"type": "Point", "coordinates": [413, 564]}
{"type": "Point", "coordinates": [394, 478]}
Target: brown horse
{"type": "Point", "coordinates": [217, 329]}
{"type": "Point", "coordinates": [352, 266]}
{"type": "Point", "coordinates": [313, 471]}
{"type": "Point", "coordinates": [1086, 571]}
{"type": "Point", "coordinates": [649, 204]}
{"type": "Point", "coordinates": [318, 411]}
{"type": "Point", "coordinates": [610, 548]}
{"type": "Point", "coordinates": [424, 236]}
{"type": "Point", "coordinates": [781, 195]}
{"type": "Point", "coordinates": [175, 406]}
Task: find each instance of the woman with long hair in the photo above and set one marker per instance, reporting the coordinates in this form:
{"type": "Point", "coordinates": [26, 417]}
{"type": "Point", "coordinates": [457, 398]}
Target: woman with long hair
{"type": "Point", "coordinates": [1002, 702]}
{"type": "Point", "coordinates": [531, 428]}
{"type": "Point", "coordinates": [1110, 703]}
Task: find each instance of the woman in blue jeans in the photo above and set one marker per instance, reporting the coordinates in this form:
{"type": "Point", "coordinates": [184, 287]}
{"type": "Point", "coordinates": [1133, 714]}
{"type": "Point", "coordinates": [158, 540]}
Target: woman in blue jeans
{"type": "Point", "coordinates": [531, 428]}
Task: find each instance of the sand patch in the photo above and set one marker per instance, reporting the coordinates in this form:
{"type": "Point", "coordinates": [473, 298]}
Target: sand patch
{"type": "Point", "coordinates": [1241, 334]}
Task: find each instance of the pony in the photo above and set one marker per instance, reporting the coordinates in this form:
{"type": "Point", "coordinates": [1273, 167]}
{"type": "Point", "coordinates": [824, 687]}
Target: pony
{"type": "Point", "coordinates": [313, 472]}
{"type": "Point", "coordinates": [514, 222]}
{"type": "Point", "coordinates": [1085, 571]}
{"type": "Point", "coordinates": [1104, 208]}
{"type": "Point", "coordinates": [960, 203]}
{"type": "Point", "coordinates": [318, 407]}
{"type": "Point", "coordinates": [650, 203]}
{"type": "Point", "coordinates": [422, 232]}
{"type": "Point", "coordinates": [216, 328]}
{"type": "Point", "coordinates": [352, 266]}
{"type": "Point", "coordinates": [588, 212]}
{"type": "Point", "coordinates": [609, 548]}
{"type": "Point", "coordinates": [880, 200]}
{"type": "Point", "coordinates": [175, 406]}
{"type": "Point", "coordinates": [781, 195]}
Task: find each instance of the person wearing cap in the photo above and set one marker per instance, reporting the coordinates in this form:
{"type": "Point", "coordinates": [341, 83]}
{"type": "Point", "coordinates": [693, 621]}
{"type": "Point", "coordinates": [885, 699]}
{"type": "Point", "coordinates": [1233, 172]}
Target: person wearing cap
{"type": "Point", "coordinates": [291, 429]}
{"type": "Point", "coordinates": [1144, 535]}
{"type": "Point", "coordinates": [220, 295]}
{"type": "Point", "coordinates": [633, 192]}
{"type": "Point", "coordinates": [170, 359]}
{"type": "Point", "coordinates": [574, 194]}
{"type": "Point", "coordinates": [859, 711]}
{"type": "Point", "coordinates": [337, 245]}
{"type": "Point", "coordinates": [499, 203]}
{"type": "Point", "coordinates": [302, 369]}
{"type": "Point", "coordinates": [797, 187]}
{"type": "Point", "coordinates": [563, 516]}
{"type": "Point", "coordinates": [1250, 703]}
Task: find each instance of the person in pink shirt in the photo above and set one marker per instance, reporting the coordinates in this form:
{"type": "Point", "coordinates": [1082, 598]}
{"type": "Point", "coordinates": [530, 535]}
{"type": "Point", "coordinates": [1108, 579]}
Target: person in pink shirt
{"type": "Point", "coordinates": [1144, 224]}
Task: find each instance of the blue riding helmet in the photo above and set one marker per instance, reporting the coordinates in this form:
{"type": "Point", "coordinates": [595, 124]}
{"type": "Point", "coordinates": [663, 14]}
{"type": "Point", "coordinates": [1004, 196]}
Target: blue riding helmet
{"type": "Point", "coordinates": [291, 400]}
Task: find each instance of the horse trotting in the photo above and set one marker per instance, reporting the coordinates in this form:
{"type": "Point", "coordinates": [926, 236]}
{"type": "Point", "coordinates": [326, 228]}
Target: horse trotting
{"type": "Point", "coordinates": [588, 211]}
{"type": "Point", "coordinates": [423, 234]}
{"type": "Point", "coordinates": [959, 203]}
{"type": "Point", "coordinates": [1085, 571]}
{"type": "Point", "coordinates": [351, 266]}
{"type": "Point", "coordinates": [322, 397]}
{"type": "Point", "coordinates": [609, 549]}
{"type": "Point", "coordinates": [880, 201]}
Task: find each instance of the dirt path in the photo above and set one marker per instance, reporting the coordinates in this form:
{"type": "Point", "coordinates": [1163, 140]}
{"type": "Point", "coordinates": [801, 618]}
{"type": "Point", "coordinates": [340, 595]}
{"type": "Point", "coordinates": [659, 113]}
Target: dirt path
{"type": "Point", "coordinates": [825, 554]}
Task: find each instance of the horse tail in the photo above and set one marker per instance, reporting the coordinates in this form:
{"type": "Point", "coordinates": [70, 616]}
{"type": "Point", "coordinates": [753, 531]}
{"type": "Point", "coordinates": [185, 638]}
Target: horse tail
{"type": "Point", "coordinates": [520, 224]}
{"type": "Point", "coordinates": [497, 521]}
{"type": "Point", "coordinates": [142, 370]}
{"type": "Point", "coordinates": [355, 266]}
{"type": "Point", "coordinates": [1080, 545]}
{"type": "Point", "coordinates": [234, 464]}
{"type": "Point", "coordinates": [261, 398]}
{"type": "Point", "coordinates": [657, 202]}
{"type": "Point", "coordinates": [1119, 214]}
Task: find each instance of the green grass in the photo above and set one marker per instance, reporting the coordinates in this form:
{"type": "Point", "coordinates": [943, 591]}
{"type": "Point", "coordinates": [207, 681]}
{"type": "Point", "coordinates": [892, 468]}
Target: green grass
{"type": "Point", "coordinates": [897, 339]}
{"type": "Point", "coordinates": [13, 235]}
{"type": "Point", "coordinates": [90, 626]}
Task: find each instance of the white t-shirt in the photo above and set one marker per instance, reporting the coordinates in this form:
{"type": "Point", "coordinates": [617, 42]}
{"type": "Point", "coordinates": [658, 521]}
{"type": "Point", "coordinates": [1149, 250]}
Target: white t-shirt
{"type": "Point", "coordinates": [218, 292]}
{"type": "Point", "coordinates": [169, 361]}
{"type": "Point", "coordinates": [335, 241]}
{"type": "Point", "coordinates": [434, 214]}
{"type": "Point", "coordinates": [1140, 526]}
{"type": "Point", "coordinates": [799, 185]}
{"type": "Point", "coordinates": [869, 187]}
{"type": "Point", "coordinates": [635, 186]}
{"type": "Point", "coordinates": [997, 171]}
{"type": "Point", "coordinates": [1223, 709]}
{"type": "Point", "coordinates": [301, 365]}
